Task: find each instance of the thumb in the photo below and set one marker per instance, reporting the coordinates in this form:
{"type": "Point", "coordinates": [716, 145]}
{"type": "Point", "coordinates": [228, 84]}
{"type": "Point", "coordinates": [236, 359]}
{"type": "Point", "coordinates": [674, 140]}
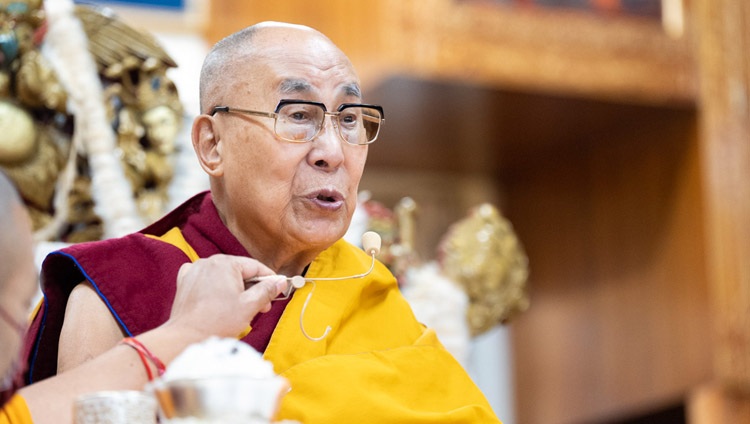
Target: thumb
{"type": "Point", "coordinates": [258, 297]}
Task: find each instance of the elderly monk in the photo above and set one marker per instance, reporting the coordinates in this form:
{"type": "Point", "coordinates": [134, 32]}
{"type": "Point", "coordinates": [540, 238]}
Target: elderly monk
{"type": "Point", "coordinates": [205, 291]}
{"type": "Point", "coordinates": [283, 137]}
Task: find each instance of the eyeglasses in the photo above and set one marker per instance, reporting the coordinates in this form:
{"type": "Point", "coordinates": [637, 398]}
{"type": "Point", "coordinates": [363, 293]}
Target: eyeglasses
{"type": "Point", "coordinates": [300, 121]}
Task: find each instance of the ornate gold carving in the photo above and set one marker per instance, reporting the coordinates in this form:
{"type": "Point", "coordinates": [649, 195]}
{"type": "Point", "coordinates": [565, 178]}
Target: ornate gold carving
{"type": "Point", "coordinates": [482, 253]}
{"type": "Point", "coordinates": [33, 116]}
{"type": "Point", "coordinates": [142, 104]}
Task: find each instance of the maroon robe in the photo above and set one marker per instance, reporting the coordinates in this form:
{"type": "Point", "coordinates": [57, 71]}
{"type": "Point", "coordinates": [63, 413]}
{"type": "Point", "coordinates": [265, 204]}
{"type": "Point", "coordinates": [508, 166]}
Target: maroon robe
{"type": "Point", "coordinates": [135, 277]}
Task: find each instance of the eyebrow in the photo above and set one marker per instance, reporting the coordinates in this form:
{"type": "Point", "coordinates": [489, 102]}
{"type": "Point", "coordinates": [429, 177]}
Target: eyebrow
{"type": "Point", "coordinates": [291, 86]}
{"type": "Point", "coordinates": [353, 90]}
{"type": "Point", "coordinates": [294, 86]}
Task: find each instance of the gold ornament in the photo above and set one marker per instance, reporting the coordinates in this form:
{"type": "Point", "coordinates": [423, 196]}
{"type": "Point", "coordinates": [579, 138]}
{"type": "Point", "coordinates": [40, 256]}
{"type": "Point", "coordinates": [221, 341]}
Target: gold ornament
{"type": "Point", "coordinates": [482, 253]}
{"type": "Point", "coordinates": [403, 250]}
{"type": "Point", "coordinates": [33, 114]}
{"type": "Point", "coordinates": [141, 101]}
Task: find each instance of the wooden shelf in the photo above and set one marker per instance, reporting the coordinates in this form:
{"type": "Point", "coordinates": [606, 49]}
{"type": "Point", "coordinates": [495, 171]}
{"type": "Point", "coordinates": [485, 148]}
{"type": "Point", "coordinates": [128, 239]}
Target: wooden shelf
{"type": "Point", "coordinates": [558, 51]}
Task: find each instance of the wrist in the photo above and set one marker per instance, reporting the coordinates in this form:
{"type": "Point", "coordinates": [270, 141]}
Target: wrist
{"type": "Point", "coordinates": [148, 358]}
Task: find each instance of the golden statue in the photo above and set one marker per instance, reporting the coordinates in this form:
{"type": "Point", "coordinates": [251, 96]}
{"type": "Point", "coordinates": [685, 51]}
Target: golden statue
{"type": "Point", "coordinates": [38, 149]}
{"type": "Point", "coordinates": [33, 117]}
{"type": "Point", "coordinates": [403, 250]}
{"type": "Point", "coordinates": [142, 102]}
{"type": "Point", "coordinates": [482, 253]}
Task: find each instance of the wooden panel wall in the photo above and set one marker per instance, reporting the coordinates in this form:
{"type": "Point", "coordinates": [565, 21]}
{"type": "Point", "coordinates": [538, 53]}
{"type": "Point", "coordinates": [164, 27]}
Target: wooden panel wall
{"type": "Point", "coordinates": [619, 317]}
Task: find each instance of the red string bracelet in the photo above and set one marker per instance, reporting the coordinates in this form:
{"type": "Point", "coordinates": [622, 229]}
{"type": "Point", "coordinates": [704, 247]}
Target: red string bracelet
{"type": "Point", "coordinates": [143, 359]}
{"type": "Point", "coordinates": [145, 353]}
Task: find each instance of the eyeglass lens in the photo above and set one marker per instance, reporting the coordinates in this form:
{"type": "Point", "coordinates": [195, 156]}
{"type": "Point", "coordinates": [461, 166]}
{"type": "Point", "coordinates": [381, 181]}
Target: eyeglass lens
{"type": "Point", "coordinates": [302, 122]}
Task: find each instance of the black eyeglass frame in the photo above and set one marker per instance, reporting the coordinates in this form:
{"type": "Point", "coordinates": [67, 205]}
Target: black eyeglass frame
{"type": "Point", "coordinates": [283, 102]}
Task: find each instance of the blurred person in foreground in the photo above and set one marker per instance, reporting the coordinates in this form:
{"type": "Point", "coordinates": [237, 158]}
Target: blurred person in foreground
{"type": "Point", "coordinates": [206, 289]}
{"type": "Point", "coordinates": [283, 137]}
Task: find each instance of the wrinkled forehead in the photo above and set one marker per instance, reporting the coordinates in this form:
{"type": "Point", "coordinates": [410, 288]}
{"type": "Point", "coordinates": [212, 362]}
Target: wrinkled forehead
{"type": "Point", "coordinates": [296, 62]}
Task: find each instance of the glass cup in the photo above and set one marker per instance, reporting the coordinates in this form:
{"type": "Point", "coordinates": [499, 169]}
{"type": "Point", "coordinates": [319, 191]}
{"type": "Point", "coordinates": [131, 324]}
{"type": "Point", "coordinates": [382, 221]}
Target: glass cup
{"type": "Point", "coordinates": [115, 407]}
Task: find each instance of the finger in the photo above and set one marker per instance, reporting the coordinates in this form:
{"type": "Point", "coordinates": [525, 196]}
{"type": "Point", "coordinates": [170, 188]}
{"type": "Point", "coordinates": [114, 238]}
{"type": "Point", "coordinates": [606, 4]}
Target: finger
{"type": "Point", "coordinates": [259, 296]}
{"type": "Point", "coordinates": [253, 268]}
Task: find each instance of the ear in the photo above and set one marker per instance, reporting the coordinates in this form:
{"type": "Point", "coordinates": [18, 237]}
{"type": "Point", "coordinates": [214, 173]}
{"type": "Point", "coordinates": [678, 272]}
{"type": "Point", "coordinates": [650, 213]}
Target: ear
{"type": "Point", "coordinates": [207, 145]}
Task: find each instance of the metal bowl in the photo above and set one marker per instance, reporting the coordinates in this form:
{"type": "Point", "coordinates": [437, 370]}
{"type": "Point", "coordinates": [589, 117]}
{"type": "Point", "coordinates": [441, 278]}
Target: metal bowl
{"type": "Point", "coordinates": [228, 399]}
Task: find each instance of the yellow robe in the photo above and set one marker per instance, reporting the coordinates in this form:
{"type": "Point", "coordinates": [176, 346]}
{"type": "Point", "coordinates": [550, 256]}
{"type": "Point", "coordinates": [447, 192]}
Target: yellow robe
{"type": "Point", "coordinates": [15, 411]}
{"type": "Point", "coordinates": [377, 365]}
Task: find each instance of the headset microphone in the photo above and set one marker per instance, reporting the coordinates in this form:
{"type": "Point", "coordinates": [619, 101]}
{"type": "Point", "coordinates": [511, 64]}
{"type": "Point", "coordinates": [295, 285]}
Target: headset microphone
{"type": "Point", "coordinates": [370, 244]}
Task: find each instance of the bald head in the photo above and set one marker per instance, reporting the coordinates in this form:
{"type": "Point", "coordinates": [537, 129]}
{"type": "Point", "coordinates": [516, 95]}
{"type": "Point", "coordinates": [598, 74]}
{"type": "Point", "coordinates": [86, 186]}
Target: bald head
{"type": "Point", "coordinates": [244, 48]}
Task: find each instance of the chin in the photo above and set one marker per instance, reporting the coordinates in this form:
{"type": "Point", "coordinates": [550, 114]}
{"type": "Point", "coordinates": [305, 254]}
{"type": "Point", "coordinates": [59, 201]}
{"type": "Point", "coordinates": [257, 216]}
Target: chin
{"type": "Point", "coordinates": [324, 235]}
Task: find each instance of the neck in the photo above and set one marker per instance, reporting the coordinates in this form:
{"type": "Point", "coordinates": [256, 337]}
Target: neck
{"type": "Point", "coordinates": [281, 259]}
{"type": "Point", "coordinates": [288, 257]}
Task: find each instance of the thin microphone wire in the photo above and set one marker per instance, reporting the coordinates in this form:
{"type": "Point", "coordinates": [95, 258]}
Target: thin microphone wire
{"type": "Point", "coordinates": [297, 282]}
{"type": "Point", "coordinates": [302, 318]}
{"type": "Point", "coordinates": [309, 296]}
{"type": "Point", "coordinates": [294, 284]}
{"type": "Point", "coordinates": [364, 274]}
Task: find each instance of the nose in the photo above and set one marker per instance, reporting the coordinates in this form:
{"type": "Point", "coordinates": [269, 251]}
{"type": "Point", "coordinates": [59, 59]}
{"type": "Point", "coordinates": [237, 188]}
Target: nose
{"type": "Point", "coordinates": [327, 148]}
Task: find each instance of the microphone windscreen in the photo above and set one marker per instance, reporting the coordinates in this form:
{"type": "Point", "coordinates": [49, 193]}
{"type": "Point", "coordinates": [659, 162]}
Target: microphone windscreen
{"type": "Point", "coordinates": [371, 242]}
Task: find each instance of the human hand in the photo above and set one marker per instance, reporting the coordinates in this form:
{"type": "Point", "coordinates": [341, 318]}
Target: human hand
{"type": "Point", "coordinates": [211, 299]}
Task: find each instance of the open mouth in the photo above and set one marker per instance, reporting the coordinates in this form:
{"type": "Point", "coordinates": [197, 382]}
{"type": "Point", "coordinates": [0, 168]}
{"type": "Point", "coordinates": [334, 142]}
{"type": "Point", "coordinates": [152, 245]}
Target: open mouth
{"type": "Point", "coordinates": [324, 198]}
{"type": "Point", "coordinates": [328, 198]}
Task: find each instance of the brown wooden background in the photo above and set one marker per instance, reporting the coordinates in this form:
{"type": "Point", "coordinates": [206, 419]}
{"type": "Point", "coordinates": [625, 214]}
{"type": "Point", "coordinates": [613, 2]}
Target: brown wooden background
{"type": "Point", "coordinates": [620, 154]}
